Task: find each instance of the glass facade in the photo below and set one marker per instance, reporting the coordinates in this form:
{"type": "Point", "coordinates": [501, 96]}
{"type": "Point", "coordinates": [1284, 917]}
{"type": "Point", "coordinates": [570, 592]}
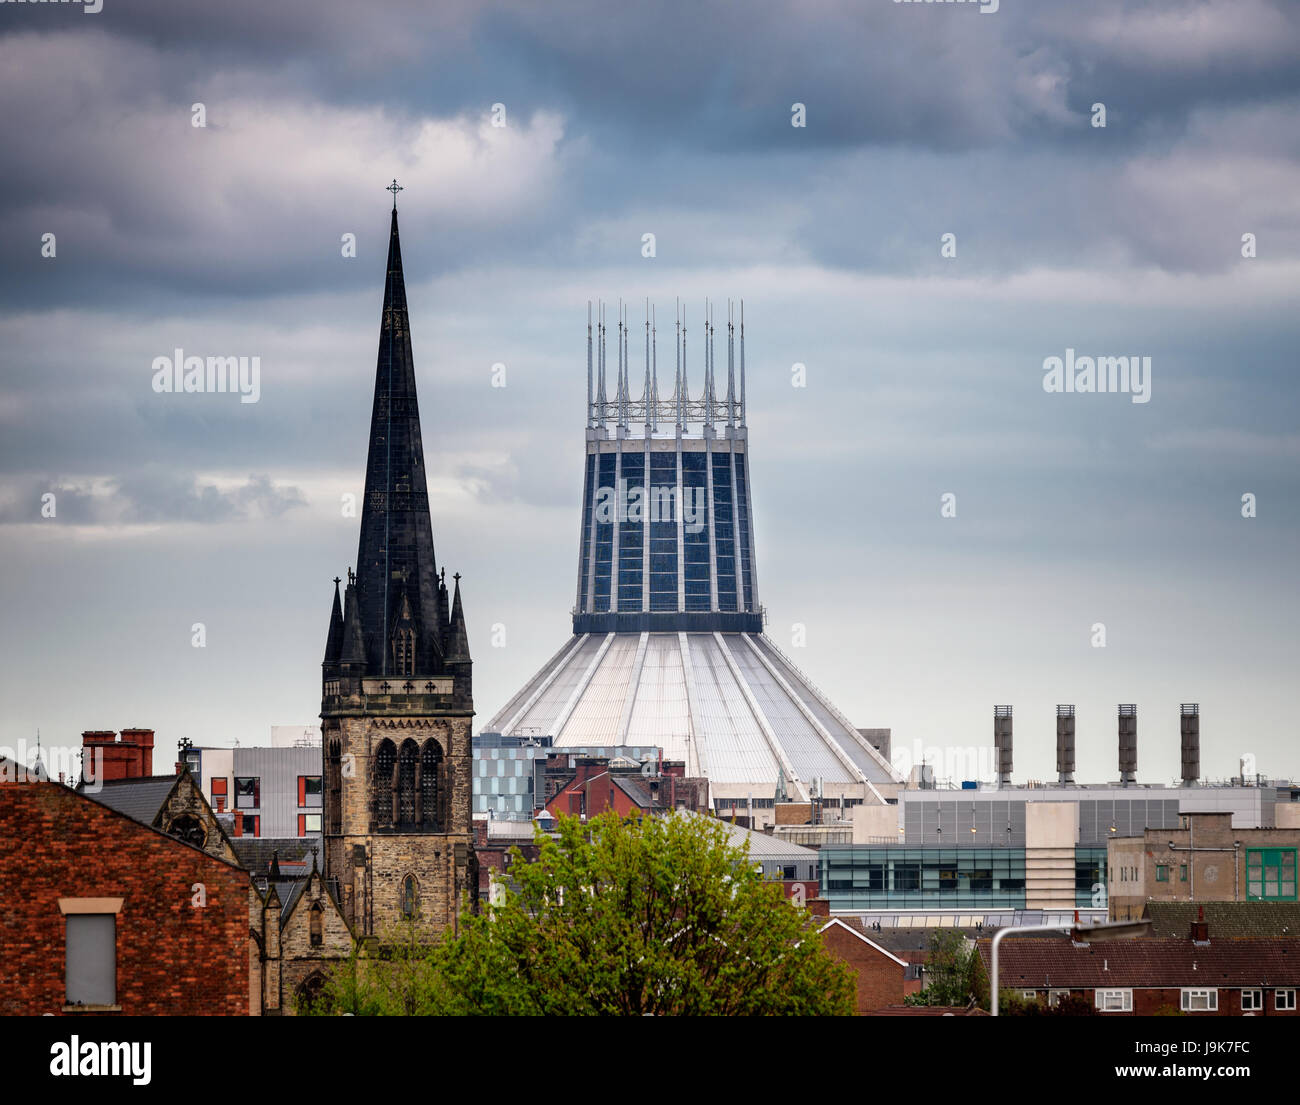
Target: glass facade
{"type": "Point", "coordinates": [666, 535]}
{"type": "Point", "coordinates": [1090, 877]}
{"type": "Point", "coordinates": [695, 531]}
{"type": "Point", "coordinates": [631, 536]}
{"type": "Point", "coordinates": [503, 780]}
{"type": "Point", "coordinates": [745, 556]}
{"type": "Point", "coordinates": [663, 533]}
{"type": "Point", "coordinates": [856, 877]}
{"type": "Point", "coordinates": [604, 539]}
{"type": "Point", "coordinates": [724, 531]}
{"type": "Point", "coordinates": [588, 503]}
{"type": "Point", "coordinates": [504, 771]}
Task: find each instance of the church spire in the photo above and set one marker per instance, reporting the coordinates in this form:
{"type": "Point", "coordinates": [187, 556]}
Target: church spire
{"type": "Point", "coordinates": [334, 642]}
{"type": "Point", "coordinates": [395, 557]}
{"type": "Point", "coordinates": [352, 651]}
{"type": "Point", "coordinates": [457, 636]}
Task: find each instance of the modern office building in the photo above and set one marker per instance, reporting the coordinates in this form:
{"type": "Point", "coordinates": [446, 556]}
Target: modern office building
{"type": "Point", "coordinates": [979, 851]}
{"type": "Point", "coordinates": [272, 792]}
{"type": "Point", "coordinates": [509, 771]}
{"type": "Point", "coordinates": [668, 646]}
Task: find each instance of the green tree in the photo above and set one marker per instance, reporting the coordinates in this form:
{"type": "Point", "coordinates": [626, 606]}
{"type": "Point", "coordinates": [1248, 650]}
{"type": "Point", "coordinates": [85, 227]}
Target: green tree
{"type": "Point", "coordinates": [391, 977]}
{"type": "Point", "coordinates": [653, 917]}
{"type": "Point", "coordinates": [950, 972]}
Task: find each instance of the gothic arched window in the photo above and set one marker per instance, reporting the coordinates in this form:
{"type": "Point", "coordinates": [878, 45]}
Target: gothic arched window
{"type": "Point", "coordinates": [385, 784]}
{"type": "Point", "coordinates": [317, 922]}
{"type": "Point", "coordinates": [407, 768]}
{"type": "Point", "coordinates": [430, 764]}
{"type": "Point", "coordinates": [334, 787]}
{"type": "Point", "coordinates": [404, 651]}
{"type": "Point", "coordinates": [189, 829]}
{"type": "Point", "coordinates": [410, 898]}
{"type": "Point", "coordinates": [309, 993]}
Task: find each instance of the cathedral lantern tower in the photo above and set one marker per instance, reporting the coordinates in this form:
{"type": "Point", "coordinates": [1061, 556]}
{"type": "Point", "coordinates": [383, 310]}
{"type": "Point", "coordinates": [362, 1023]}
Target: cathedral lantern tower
{"type": "Point", "coordinates": [396, 703]}
{"type": "Point", "coordinates": [668, 648]}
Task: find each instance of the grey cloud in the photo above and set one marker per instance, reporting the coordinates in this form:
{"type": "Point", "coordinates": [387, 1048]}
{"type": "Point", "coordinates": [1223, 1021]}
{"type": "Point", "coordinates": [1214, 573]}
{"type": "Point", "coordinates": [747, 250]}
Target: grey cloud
{"type": "Point", "coordinates": [150, 495]}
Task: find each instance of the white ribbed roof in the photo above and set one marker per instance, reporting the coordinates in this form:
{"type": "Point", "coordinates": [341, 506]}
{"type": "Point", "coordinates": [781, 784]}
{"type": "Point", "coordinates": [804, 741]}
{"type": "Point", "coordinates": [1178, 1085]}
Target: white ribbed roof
{"type": "Point", "coordinates": [731, 705]}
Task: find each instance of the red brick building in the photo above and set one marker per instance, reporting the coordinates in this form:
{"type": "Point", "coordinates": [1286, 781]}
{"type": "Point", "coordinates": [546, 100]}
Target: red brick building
{"type": "Point", "coordinates": [882, 978]}
{"type": "Point", "coordinates": [1196, 975]}
{"type": "Point", "coordinates": [597, 784]}
{"type": "Point", "coordinates": [493, 842]}
{"type": "Point", "coordinates": [103, 914]}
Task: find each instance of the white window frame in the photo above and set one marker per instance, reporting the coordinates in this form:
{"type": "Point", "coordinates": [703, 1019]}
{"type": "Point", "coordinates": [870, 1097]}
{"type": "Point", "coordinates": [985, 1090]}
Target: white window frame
{"type": "Point", "coordinates": [1190, 995]}
{"type": "Point", "coordinates": [1284, 999]}
{"type": "Point", "coordinates": [1252, 1001]}
{"type": "Point", "coordinates": [1054, 997]}
{"type": "Point", "coordinates": [1102, 1000]}
{"type": "Point", "coordinates": [1028, 995]}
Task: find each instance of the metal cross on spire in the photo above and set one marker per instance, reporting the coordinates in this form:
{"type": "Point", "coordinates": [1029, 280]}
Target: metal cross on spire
{"type": "Point", "coordinates": [394, 188]}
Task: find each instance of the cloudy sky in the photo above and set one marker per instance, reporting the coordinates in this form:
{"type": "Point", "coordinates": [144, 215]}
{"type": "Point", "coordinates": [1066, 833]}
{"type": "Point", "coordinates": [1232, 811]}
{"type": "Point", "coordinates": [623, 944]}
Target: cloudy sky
{"type": "Point", "coordinates": [924, 373]}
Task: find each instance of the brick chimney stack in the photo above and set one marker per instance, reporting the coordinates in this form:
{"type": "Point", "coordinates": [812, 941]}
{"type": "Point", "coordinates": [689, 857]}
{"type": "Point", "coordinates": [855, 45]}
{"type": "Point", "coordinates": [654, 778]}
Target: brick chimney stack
{"type": "Point", "coordinates": [143, 738]}
{"type": "Point", "coordinates": [1200, 930]}
{"type": "Point", "coordinates": [130, 757]}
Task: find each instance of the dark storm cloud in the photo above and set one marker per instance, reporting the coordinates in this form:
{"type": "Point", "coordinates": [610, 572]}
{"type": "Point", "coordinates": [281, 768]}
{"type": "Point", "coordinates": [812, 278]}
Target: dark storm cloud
{"type": "Point", "coordinates": [150, 494]}
{"type": "Point", "coordinates": [924, 374]}
{"type": "Point", "coordinates": [662, 110]}
{"type": "Point", "coordinates": [723, 75]}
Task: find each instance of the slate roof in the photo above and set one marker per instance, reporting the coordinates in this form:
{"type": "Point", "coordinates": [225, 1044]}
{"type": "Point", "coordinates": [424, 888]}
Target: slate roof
{"type": "Point", "coordinates": [1145, 963]}
{"type": "Point", "coordinates": [255, 852]}
{"type": "Point", "coordinates": [762, 846]}
{"type": "Point", "coordinates": [291, 898]}
{"type": "Point", "coordinates": [856, 930]}
{"type": "Point", "coordinates": [912, 944]}
{"type": "Point", "coordinates": [139, 799]}
{"type": "Point", "coordinates": [1226, 920]}
{"type": "Point", "coordinates": [632, 786]}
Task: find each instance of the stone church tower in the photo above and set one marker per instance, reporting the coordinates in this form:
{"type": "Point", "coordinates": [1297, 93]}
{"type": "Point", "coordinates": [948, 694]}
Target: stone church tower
{"type": "Point", "coordinates": [396, 701]}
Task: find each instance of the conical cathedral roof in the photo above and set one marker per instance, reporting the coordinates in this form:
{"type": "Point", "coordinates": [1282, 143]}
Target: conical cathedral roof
{"type": "Point", "coordinates": [731, 706]}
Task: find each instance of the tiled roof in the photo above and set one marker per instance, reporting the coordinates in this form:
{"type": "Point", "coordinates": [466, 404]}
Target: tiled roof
{"type": "Point", "coordinates": [1147, 962]}
{"type": "Point", "coordinates": [1226, 920]}
{"type": "Point", "coordinates": [138, 799]}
